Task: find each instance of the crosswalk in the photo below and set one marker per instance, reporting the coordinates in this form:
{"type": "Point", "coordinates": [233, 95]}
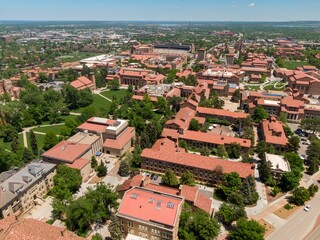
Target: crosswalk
{"type": "Point", "coordinates": [309, 182]}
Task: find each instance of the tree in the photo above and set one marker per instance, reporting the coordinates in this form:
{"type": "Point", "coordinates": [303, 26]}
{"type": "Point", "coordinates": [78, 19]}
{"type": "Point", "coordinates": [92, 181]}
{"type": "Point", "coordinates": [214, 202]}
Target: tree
{"type": "Point", "coordinates": [221, 152]}
{"type": "Point", "coordinates": [162, 105]}
{"type": "Point", "coordinates": [33, 143]}
{"type": "Point", "coordinates": [293, 144]}
{"type": "Point", "coordinates": [234, 150]}
{"type": "Point", "coordinates": [197, 225]}
{"type": "Point", "coordinates": [67, 181]}
{"type": "Point", "coordinates": [295, 161]}
{"type": "Point", "coordinates": [265, 173]}
{"type": "Point", "coordinates": [187, 178]}
{"type": "Point", "coordinates": [283, 117]}
{"type": "Point", "coordinates": [287, 131]}
{"type": "Point", "coordinates": [27, 155]}
{"type": "Point", "coordinates": [115, 228]}
{"type": "Point", "coordinates": [124, 169]}
{"type": "Point", "coordinates": [229, 213]}
{"type": "Point", "coordinates": [80, 214]}
{"type": "Point", "coordinates": [313, 165]}
{"type": "Point", "coordinates": [231, 183]}
{"type": "Point", "coordinates": [102, 170]}
{"type": "Point", "coordinates": [313, 189]}
{"type": "Point", "coordinates": [299, 196]}
{"type": "Point", "coordinates": [259, 114]}
{"type": "Point", "coordinates": [170, 179]}
{"type": "Point", "coordinates": [15, 145]}
{"type": "Point", "coordinates": [248, 190]}
{"type": "Point", "coordinates": [205, 151]}
{"type": "Point", "coordinates": [311, 124]}
{"type": "Point", "coordinates": [236, 96]}
{"type": "Point", "coordinates": [114, 84]}
{"type": "Point", "coordinates": [9, 133]}
{"type": "Point", "coordinates": [247, 229]}
{"type": "Point", "coordinates": [290, 180]}
{"type": "Point", "coordinates": [94, 162]}
{"type": "Point", "coordinates": [50, 140]}
{"type": "Point", "coordinates": [194, 125]}
{"type": "Point", "coordinates": [86, 97]}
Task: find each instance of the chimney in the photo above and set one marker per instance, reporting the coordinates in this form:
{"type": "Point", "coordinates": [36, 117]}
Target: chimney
{"type": "Point", "coordinates": [93, 79]}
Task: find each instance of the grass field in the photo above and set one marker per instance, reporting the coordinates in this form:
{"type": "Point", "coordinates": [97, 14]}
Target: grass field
{"type": "Point", "coordinates": [55, 129]}
{"type": "Point", "coordinates": [40, 140]}
{"type": "Point", "coordinates": [252, 87]}
{"type": "Point", "coordinates": [271, 87]}
{"type": "Point", "coordinates": [98, 102]}
{"type": "Point", "coordinates": [292, 65]}
{"type": "Point", "coordinates": [7, 145]}
{"type": "Point", "coordinates": [115, 93]}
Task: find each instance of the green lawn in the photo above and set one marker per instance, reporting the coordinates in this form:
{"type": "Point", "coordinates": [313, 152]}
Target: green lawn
{"type": "Point", "coordinates": [292, 65]}
{"type": "Point", "coordinates": [40, 140]}
{"type": "Point", "coordinates": [271, 87]}
{"type": "Point", "coordinates": [98, 102]}
{"type": "Point", "coordinates": [114, 93]}
{"type": "Point", "coordinates": [55, 129]}
{"type": "Point", "coordinates": [7, 145]}
{"type": "Point", "coordinates": [251, 87]}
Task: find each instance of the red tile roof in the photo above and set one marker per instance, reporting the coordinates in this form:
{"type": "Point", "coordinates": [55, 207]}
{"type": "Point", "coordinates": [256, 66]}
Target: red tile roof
{"type": "Point", "coordinates": [150, 206]}
{"type": "Point", "coordinates": [31, 229]}
{"type": "Point", "coordinates": [221, 112]}
{"type": "Point", "coordinates": [164, 189]}
{"type": "Point", "coordinates": [79, 163]}
{"type": "Point", "coordinates": [189, 193]}
{"type": "Point", "coordinates": [132, 182]}
{"type": "Point", "coordinates": [214, 138]}
{"type": "Point", "coordinates": [165, 150]}
{"type": "Point", "coordinates": [273, 132]}
{"type": "Point", "coordinates": [121, 141]}
{"type": "Point", "coordinates": [66, 151]}
{"type": "Point", "coordinates": [82, 83]}
{"type": "Point", "coordinates": [92, 127]}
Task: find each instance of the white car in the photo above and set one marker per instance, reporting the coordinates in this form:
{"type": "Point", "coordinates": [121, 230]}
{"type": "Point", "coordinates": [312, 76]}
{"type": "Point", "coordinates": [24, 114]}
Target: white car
{"type": "Point", "coordinates": [307, 208]}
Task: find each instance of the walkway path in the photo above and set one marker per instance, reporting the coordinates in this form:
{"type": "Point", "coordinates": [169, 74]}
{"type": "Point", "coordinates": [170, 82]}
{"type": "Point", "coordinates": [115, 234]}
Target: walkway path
{"type": "Point", "coordinates": [27, 129]}
{"type": "Point", "coordinates": [104, 97]}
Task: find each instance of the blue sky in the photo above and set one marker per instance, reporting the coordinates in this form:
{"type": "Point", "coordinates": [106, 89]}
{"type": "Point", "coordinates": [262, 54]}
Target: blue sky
{"type": "Point", "coordinates": [164, 10]}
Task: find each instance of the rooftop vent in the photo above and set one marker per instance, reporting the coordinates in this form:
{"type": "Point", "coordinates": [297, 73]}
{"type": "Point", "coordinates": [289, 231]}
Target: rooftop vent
{"type": "Point", "coordinates": [170, 205]}
{"type": "Point", "coordinates": [151, 200]}
{"type": "Point", "coordinates": [134, 196]}
{"type": "Point", "coordinates": [159, 203]}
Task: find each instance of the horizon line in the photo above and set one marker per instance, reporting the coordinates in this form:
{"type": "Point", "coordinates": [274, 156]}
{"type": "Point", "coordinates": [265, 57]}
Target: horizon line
{"type": "Point", "coordinates": [52, 20]}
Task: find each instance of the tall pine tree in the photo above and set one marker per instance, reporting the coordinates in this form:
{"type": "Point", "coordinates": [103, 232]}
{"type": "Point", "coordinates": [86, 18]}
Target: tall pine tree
{"type": "Point", "coordinates": [15, 145]}
{"type": "Point", "coordinates": [33, 143]}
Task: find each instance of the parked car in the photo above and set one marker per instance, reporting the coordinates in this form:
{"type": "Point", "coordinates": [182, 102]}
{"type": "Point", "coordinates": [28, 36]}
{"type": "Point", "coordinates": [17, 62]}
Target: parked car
{"type": "Point", "coordinates": [307, 208]}
{"type": "Point", "coordinates": [303, 140]}
{"type": "Point", "coordinates": [305, 143]}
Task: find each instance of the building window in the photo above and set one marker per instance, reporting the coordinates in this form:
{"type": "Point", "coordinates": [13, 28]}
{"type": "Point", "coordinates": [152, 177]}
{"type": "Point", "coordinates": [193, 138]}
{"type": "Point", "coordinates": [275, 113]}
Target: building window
{"type": "Point", "coordinates": [155, 232]}
{"type": "Point", "coordinates": [166, 235]}
{"type": "Point", "coordinates": [143, 235]}
{"type": "Point", "coordinates": [130, 224]}
{"type": "Point", "coordinates": [143, 228]}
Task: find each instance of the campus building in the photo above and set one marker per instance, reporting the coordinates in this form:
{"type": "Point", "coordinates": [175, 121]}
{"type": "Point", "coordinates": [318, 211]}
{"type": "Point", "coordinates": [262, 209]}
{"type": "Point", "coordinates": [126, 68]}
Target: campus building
{"type": "Point", "coordinates": [84, 83]}
{"type": "Point", "coordinates": [116, 135]}
{"type": "Point", "coordinates": [139, 77]}
{"type": "Point", "coordinates": [191, 194]}
{"type": "Point", "coordinates": [166, 155]}
{"type": "Point", "coordinates": [278, 164]}
{"type": "Point", "coordinates": [21, 190]}
{"type": "Point", "coordinates": [273, 133]}
{"type": "Point", "coordinates": [150, 214]}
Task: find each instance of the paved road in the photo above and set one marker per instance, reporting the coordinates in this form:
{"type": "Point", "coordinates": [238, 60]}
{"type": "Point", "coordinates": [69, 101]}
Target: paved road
{"type": "Point", "coordinates": [315, 235]}
{"type": "Point", "coordinates": [300, 224]}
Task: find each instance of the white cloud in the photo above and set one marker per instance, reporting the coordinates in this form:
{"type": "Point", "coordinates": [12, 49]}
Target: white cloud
{"type": "Point", "coordinates": [251, 5]}
{"type": "Point", "coordinates": [233, 6]}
